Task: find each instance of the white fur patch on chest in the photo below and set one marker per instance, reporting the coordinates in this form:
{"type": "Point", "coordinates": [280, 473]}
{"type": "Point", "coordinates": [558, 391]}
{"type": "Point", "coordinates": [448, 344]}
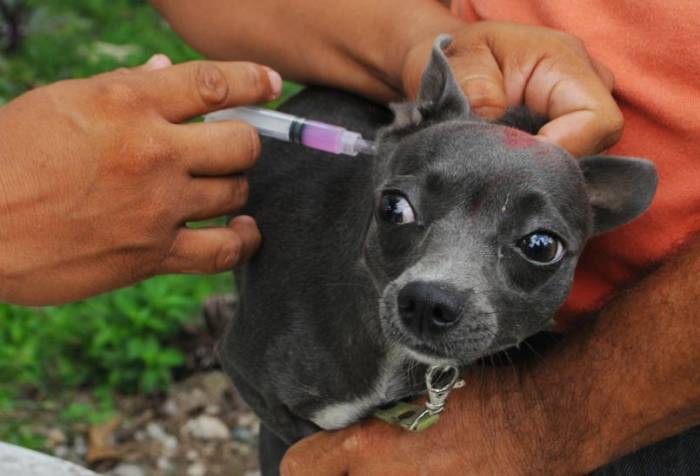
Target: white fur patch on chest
{"type": "Point", "coordinates": [387, 386]}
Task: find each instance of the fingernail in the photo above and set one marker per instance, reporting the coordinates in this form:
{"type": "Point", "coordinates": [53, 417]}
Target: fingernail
{"type": "Point", "coordinates": [275, 82]}
{"type": "Point", "coordinates": [158, 61]}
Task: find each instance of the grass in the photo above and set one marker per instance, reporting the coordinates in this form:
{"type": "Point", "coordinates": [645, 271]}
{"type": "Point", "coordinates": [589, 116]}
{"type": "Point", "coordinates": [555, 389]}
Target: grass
{"type": "Point", "coordinates": [80, 38]}
{"type": "Point", "coordinates": [117, 342]}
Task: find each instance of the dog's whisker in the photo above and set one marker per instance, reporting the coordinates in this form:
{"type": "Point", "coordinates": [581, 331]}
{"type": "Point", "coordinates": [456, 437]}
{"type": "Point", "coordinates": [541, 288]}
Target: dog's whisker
{"type": "Point", "coordinates": [533, 350]}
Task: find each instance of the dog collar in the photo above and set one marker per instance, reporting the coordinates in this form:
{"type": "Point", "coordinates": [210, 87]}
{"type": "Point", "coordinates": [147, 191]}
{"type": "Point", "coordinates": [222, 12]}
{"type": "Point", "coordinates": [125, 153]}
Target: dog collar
{"type": "Point", "coordinates": [439, 382]}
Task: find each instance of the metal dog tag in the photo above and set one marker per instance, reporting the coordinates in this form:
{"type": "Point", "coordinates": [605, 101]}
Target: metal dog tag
{"type": "Point", "coordinates": [416, 418]}
{"type": "Point", "coordinates": [408, 416]}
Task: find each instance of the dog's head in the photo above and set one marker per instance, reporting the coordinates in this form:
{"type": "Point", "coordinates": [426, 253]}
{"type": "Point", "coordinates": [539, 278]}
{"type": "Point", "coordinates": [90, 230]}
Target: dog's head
{"type": "Point", "coordinates": [478, 227]}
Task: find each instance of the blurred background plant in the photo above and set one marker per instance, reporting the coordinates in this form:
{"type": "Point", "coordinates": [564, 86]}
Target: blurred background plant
{"type": "Point", "coordinates": [122, 342]}
{"type": "Point", "coordinates": [11, 28]}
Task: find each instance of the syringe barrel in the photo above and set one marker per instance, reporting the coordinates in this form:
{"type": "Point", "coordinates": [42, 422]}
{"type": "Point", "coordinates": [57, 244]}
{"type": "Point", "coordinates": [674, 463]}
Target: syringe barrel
{"type": "Point", "coordinates": [321, 136]}
{"type": "Point", "coordinates": [268, 123]}
{"type": "Point", "coordinates": [314, 134]}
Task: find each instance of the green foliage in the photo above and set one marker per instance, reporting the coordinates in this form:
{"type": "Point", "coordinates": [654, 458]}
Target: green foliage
{"type": "Point", "coordinates": [122, 341]}
{"type": "Point", "coordinates": [18, 433]}
{"type": "Point", "coordinates": [78, 38]}
{"type": "Point", "coordinates": [81, 412]}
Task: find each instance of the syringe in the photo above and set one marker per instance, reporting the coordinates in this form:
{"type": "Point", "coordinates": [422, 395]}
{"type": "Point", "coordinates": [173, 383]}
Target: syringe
{"type": "Point", "coordinates": [289, 128]}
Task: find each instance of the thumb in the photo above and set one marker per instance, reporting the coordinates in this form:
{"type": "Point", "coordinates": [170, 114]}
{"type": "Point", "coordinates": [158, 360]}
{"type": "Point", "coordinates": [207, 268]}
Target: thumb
{"type": "Point", "coordinates": [479, 75]}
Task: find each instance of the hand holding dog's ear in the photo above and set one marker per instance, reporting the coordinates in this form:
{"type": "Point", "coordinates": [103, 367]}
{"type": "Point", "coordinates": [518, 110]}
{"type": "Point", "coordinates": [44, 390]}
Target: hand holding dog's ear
{"type": "Point", "coordinates": [498, 65]}
{"type": "Point", "coordinates": [99, 178]}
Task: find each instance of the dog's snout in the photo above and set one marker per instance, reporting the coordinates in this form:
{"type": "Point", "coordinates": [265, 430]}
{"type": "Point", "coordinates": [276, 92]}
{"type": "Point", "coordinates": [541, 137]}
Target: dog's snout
{"type": "Point", "coordinates": [428, 308]}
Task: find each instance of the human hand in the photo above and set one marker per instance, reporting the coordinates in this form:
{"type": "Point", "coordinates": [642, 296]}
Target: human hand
{"type": "Point", "coordinates": [497, 424]}
{"type": "Point", "coordinates": [505, 64]}
{"type": "Point", "coordinates": [98, 178]}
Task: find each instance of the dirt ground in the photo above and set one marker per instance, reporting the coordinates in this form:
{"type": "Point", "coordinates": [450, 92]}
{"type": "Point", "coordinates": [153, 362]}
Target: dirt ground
{"type": "Point", "coordinates": [199, 427]}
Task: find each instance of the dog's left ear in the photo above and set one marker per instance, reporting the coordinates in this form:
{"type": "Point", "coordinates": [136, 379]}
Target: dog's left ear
{"type": "Point", "coordinates": [439, 97]}
{"type": "Point", "coordinates": [619, 189]}
{"type": "Point", "coordinates": [439, 94]}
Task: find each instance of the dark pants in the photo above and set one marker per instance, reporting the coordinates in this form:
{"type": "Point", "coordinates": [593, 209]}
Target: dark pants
{"type": "Point", "coordinates": [675, 456]}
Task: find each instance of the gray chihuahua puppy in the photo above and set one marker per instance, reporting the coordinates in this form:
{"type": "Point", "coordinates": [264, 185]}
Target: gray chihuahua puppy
{"type": "Point", "coordinates": [458, 239]}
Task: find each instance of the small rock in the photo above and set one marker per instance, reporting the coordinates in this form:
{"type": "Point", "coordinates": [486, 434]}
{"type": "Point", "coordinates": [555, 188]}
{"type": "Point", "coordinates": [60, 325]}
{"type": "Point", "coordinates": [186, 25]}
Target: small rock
{"type": "Point", "coordinates": [140, 435]}
{"type": "Point", "coordinates": [248, 419]}
{"type": "Point", "coordinates": [196, 469]}
{"type": "Point", "coordinates": [191, 401]}
{"type": "Point", "coordinates": [170, 444]}
{"type": "Point", "coordinates": [244, 435]}
{"type": "Point", "coordinates": [241, 448]}
{"type": "Point", "coordinates": [61, 451]}
{"type": "Point", "coordinates": [166, 465]}
{"type": "Point", "coordinates": [208, 451]}
{"type": "Point", "coordinates": [216, 384]}
{"type": "Point", "coordinates": [155, 431]}
{"type": "Point", "coordinates": [244, 450]}
{"type": "Point", "coordinates": [212, 410]}
{"type": "Point", "coordinates": [170, 408]}
{"type": "Point", "coordinates": [252, 473]}
{"type": "Point", "coordinates": [55, 437]}
{"type": "Point", "coordinates": [126, 469]}
{"type": "Point", "coordinates": [206, 427]}
{"type": "Point", "coordinates": [191, 455]}
{"type": "Point", "coordinates": [79, 446]}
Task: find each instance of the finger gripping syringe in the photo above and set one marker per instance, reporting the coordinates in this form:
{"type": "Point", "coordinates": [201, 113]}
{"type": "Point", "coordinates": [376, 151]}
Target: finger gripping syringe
{"type": "Point", "coordinates": [289, 128]}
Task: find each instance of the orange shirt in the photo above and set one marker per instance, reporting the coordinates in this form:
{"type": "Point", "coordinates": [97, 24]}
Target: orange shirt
{"type": "Point", "coordinates": [653, 48]}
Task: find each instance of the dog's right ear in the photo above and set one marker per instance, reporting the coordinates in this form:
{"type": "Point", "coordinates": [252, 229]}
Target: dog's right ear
{"type": "Point", "coordinates": [619, 189]}
{"type": "Point", "coordinates": [439, 97]}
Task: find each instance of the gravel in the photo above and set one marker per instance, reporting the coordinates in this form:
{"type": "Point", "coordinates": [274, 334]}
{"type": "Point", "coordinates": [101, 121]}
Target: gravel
{"type": "Point", "coordinates": [126, 469]}
{"type": "Point", "coordinates": [207, 427]}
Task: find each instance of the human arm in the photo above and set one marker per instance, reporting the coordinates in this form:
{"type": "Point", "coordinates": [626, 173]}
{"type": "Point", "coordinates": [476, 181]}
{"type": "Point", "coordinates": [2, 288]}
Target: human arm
{"type": "Point", "coordinates": [631, 378]}
{"type": "Point", "coordinates": [357, 45]}
{"type": "Point", "coordinates": [379, 50]}
{"type": "Point", "coordinates": [98, 178]}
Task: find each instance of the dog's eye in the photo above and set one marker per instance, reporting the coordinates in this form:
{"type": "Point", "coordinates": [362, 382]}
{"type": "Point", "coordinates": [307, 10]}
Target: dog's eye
{"type": "Point", "coordinates": [395, 209]}
{"type": "Point", "coordinates": [541, 248]}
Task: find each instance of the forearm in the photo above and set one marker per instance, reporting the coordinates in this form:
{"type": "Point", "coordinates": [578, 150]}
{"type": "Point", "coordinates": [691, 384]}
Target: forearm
{"type": "Point", "coordinates": [357, 45]}
{"type": "Point", "coordinates": [633, 377]}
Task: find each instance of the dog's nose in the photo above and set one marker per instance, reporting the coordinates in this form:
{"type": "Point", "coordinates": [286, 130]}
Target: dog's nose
{"type": "Point", "coordinates": [427, 308]}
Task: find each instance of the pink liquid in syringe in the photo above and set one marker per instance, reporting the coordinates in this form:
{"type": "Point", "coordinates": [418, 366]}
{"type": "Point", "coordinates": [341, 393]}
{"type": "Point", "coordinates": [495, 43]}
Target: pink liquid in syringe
{"type": "Point", "coordinates": [321, 136]}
